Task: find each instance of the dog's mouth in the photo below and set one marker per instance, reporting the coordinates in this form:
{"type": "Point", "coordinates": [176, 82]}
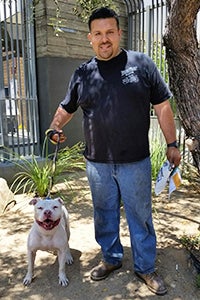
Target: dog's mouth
{"type": "Point", "coordinates": [48, 224]}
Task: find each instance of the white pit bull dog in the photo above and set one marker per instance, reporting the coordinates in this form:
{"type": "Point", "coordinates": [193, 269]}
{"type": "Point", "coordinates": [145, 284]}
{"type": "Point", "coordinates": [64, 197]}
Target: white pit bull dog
{"type": "Point", "coordinates": [50, 231]}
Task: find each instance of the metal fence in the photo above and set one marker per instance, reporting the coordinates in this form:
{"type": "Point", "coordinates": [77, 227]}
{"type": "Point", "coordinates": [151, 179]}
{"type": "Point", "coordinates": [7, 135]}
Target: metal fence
{"type": "Point", "coordinates": [19, 131]}
{"type": "Point", "coordinates": [146, 25]}
{"type": "Point", "coordinates": [146, 22]}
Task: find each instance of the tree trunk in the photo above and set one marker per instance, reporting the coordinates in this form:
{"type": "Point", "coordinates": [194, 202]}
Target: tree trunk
{"type": "Point", "coordinates": [183, 57]}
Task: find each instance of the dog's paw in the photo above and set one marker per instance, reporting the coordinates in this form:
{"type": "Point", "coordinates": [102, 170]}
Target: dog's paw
{"type": "Point", "coordinates": [27, 279]}
{"type": "Point", "coordinates": [69, 259]}
{"type": "Point", "coordinates": [63, 280]}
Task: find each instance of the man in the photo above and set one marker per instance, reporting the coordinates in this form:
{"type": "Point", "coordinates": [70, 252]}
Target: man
{"type": "Point", "coordinates": [115, 90]}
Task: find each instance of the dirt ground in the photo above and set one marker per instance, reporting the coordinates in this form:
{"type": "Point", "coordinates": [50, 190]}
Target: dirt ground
{"type": "Point", "coordinates": [172, 218]}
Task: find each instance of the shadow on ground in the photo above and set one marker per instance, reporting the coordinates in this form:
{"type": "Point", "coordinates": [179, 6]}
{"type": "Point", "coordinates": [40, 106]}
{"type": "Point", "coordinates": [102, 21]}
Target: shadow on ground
{"type": "Point", "coordinates": [172, 218]}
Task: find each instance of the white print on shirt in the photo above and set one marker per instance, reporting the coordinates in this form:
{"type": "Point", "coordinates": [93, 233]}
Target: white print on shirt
{"type": "Point", "coordinates": [129, 76]}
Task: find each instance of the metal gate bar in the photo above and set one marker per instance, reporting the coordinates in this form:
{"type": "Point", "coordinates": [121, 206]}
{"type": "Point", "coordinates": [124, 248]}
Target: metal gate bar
{"type": "Point", "coordinates": [19, 123]}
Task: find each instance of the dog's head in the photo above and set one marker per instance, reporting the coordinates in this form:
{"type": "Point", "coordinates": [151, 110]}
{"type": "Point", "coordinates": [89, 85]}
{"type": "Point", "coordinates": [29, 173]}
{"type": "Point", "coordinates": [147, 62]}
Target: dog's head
{"type": "Point", "coordinates": [47, 212]}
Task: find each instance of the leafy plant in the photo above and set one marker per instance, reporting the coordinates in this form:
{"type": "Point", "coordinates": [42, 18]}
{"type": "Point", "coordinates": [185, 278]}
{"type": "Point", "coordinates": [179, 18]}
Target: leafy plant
{"type": "Point", "coordinates": [33, 177]}
{"type": "Point", "coordinates": [39, 176]}
{"type": "Point", "coordinates": [71, 159]}
{"type": "Point", "coordinates": [191, 242]}
{"type": "Point", "coordinates": [84, 8]}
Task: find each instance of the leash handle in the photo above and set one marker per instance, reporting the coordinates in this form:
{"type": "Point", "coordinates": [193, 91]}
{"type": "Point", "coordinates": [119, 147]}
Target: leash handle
{"type": "Point", "coordinates": [50, 133]}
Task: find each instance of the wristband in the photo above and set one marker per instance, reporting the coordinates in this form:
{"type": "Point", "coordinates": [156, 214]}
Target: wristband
{"type": "Point", "coordinates": [173, 144]}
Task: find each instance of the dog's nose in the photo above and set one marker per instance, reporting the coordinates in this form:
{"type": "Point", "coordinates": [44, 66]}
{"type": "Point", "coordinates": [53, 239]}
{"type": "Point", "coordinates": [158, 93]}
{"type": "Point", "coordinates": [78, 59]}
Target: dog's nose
{"type": "Point", "coordinates": [47, 213]}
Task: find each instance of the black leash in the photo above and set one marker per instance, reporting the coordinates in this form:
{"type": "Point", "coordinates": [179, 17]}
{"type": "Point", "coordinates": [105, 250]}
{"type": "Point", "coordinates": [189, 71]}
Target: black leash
{"type": "Point", "coordinates": [54, 159]}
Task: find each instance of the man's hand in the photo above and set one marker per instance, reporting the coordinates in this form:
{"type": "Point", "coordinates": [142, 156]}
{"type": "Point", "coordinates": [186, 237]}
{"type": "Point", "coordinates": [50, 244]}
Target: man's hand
{"type": "Point", "coordinates": [173, 156]}
{"type": "Point", "coordinates": [55, 136]}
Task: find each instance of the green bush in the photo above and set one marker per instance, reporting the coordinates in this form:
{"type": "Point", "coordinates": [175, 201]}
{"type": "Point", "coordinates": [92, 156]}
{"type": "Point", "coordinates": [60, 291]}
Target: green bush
{"type": "Point", "coordinates": [158, 156]}
{"type": "Point", "coordinates": [39, 176]}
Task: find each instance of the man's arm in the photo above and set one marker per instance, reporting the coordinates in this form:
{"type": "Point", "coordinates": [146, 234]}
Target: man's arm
{"type": "Point", "coordinates": [167, 125]}
{"type": "Point", "coordinates": [60, 119]}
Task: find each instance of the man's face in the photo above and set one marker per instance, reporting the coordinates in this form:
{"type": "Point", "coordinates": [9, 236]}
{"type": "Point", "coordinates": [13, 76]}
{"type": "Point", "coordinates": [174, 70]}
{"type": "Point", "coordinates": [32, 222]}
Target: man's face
{"type": "Point", "coordinates": [105, 38]}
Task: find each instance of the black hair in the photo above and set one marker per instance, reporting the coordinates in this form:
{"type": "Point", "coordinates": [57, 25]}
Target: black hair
{"type": "Point", "coordinates": [103, 13]}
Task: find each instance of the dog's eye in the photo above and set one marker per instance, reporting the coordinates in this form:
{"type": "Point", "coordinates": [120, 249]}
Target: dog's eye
{"type": "Point", "coordinates": [55, 207]}
{"type": "Point", "coordinates": [40, 208]}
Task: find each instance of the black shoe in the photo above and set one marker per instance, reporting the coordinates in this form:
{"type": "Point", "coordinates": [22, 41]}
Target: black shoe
{"type": "Point", "coordinates": [154, 283]}
{"type": "Point", "coordinates": [103, 270]}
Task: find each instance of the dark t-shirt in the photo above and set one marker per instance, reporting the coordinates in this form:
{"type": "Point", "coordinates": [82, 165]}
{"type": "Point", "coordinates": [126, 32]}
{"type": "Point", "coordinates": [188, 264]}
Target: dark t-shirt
{"type": "Point", "coordinates": [115, 97]}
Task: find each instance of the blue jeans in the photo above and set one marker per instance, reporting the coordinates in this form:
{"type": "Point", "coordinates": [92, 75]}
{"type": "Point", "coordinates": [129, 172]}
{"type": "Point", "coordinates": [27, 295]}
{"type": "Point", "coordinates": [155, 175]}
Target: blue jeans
{"type": "Point", "coordinates": [131, 183]}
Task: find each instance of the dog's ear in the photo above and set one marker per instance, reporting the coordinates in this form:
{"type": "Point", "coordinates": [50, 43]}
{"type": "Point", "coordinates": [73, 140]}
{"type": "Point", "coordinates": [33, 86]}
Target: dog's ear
{"type": "Point", "coordinates": [33, 201]}
{"type": "Point", "coordinates": [60, 200]}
